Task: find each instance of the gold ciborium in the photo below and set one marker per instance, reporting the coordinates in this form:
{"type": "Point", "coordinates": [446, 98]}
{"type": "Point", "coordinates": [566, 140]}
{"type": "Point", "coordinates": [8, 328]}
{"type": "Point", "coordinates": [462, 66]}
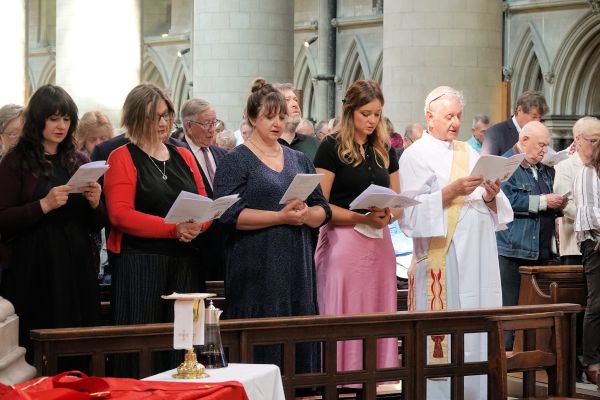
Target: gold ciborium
{"type": "Point", "coordinates": [190, 368]}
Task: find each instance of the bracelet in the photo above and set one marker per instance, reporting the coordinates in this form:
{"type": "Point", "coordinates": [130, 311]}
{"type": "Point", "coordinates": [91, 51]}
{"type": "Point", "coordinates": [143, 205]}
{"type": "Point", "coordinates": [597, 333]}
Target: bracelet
{"type": "Point", "coordinates": [488, 202]}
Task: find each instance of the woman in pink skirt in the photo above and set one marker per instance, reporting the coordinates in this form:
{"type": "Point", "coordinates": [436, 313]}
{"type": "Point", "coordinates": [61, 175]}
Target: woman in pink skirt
{"type": "Point", "coordinates": [356, 273]}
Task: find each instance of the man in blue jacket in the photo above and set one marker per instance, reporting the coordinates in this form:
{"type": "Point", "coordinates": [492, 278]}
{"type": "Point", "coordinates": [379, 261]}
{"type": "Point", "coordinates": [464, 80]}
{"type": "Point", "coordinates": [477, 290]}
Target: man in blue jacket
{"type": "Point", "coordinates": [529, 239]}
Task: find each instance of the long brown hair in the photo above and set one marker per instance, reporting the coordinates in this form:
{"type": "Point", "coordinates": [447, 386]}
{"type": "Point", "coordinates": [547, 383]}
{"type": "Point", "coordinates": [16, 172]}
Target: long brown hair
{"type": "Point", "coordinates": [361, 92]}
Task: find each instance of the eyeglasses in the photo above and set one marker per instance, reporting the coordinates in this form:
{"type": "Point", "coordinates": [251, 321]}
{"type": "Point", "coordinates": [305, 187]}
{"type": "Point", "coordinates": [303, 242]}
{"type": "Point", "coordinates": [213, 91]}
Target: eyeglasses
{"type": "Point", "coordinates": [12, 134]}
{"type": "Point", "coordinates": [208, 125]}
{"type": "Point", "coordinates": [156, 119]}
{"type": "Point", "coordinates": [590, 141]}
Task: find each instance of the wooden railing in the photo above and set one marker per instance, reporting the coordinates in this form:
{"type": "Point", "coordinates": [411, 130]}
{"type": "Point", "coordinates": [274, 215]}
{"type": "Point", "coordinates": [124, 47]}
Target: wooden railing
{"type": "Point", "coordinates": [240, 337]}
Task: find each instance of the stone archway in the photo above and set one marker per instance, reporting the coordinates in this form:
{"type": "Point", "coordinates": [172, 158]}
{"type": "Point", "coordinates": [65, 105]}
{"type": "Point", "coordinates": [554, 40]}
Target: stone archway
{"type": "Point", "coordinates": [577, 67]}
{"type": "Point", "coordinates": [153, 70]}
{"type": "Point", "coordinates": [528, 72]}
{"type": "Point", "coordinates": [304, 69]}
{"type": "Point", "coordinates": [356, 64]}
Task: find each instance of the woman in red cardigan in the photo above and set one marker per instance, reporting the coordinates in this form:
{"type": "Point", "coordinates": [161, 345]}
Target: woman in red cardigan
{"type": "Point", "coordinates": [144, 179]}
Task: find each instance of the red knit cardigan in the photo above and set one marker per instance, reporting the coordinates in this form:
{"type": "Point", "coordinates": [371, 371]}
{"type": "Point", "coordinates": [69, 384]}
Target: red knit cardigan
{"type": "Point", "coordinates": [120, 182]}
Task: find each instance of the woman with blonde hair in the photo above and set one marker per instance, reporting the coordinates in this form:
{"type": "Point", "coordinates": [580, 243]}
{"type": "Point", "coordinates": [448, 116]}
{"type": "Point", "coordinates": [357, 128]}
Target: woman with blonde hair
{"type": "Point", "coordinates": [94, 128]}
{"type": "Point", "coordinates": [11, 127]}
{"type": "Point", "coordinates": [357, 273]}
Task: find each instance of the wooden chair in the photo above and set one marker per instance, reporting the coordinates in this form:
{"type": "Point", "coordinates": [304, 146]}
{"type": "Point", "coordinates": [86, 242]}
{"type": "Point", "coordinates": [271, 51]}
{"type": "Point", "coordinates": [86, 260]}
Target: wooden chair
{"type": "Point", "coordinates": [535, 356]}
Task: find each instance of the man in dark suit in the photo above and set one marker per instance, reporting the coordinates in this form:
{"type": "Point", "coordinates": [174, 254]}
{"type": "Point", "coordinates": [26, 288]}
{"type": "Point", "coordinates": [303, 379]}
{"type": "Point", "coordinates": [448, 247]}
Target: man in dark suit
{"type": "Point", "coordinates": [531, 106]}
{"type": "Point", "coordinates": [199, 120]}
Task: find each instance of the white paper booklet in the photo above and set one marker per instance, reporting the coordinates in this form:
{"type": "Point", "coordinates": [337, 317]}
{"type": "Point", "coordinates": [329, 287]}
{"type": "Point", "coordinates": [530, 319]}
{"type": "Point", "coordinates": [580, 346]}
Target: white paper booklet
{"type": "Point", "coordinates": [553, 157]}
{"type": "Point", "coordinates": [301, 187]}
{"type": "Point", "coordinates": [497, 167]}
{"type": "Point", "coordinates": [87, 173]}
{"type": "Point", "coordinates": [190, 206]}
{"type": "Point", "coordinates": [381, 197]}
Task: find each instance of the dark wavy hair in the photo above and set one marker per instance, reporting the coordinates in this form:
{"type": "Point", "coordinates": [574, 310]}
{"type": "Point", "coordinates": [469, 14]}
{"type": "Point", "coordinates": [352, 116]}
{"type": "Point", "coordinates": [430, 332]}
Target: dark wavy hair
{"type": "Point", "coordinates": [47, 101]}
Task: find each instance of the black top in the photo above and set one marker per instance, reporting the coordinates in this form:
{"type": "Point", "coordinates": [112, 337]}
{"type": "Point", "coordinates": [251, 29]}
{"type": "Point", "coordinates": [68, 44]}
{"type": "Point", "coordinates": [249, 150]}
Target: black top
{"type": "Point", "coordinates": [351, 181]}
{"type": "Point", "coordinates": [155, 196]}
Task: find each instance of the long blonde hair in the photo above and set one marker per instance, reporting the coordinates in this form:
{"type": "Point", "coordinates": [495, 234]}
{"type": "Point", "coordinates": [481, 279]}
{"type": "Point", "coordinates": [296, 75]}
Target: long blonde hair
{"type": "Point", "coordinates": [361, 92]}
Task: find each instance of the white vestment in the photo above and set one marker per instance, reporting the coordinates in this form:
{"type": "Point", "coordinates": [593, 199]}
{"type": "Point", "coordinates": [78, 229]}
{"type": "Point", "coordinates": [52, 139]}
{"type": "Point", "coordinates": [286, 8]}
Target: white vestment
{"type": "Point", "coordinates": [472, 271]}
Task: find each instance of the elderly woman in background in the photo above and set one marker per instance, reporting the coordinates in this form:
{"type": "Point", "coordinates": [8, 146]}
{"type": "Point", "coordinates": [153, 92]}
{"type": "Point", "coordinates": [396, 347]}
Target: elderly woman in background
{"type": "Point", "coordinates": [94, 128]}
{"type": "Point", "coordinates": [226, 140]}
{"type": "Point", "coordinates": [356, 273]}
{"type": "Point", "coordinates": [269, 257]}
{"type": "Point", "coordinates": [11, 127]}
{"type": "Point", "coordinates": [51, 275]}
{"type": "Point", "coordinates": [586, 196]}
{"type": "Point", "coordinates": [144, 179]}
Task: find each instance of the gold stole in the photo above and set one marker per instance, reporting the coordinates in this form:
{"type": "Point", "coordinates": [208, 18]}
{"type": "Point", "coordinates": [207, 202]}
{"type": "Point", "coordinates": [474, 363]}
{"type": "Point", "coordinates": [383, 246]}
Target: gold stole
{"type": "Point", "coordinates": [436, 256]}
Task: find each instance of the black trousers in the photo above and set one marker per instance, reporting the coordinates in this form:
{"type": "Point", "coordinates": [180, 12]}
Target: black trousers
{"type": "Point", "coordinates": [591, 320]}
{"type": "Point", "coordinates": [139, 279]}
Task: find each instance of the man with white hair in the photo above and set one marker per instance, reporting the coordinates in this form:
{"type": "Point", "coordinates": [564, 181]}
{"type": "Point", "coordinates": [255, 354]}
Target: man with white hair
{"type": "Point", "coordinates": [454, 245]}
{"type": "Point", "coordinates": [586, 133]}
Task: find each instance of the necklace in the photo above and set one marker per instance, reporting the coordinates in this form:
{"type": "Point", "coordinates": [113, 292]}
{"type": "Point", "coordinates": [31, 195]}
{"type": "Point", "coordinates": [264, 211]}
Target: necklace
{"type": "Point", "coordinates": [264, 153]}
{"type": "Point", "coordinates": [164, 170]}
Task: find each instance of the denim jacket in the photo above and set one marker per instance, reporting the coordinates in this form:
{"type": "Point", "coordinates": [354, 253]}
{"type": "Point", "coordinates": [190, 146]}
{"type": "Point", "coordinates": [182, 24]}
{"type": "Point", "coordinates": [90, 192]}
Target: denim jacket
{"type": "Point", "coordinates": [521, 239]}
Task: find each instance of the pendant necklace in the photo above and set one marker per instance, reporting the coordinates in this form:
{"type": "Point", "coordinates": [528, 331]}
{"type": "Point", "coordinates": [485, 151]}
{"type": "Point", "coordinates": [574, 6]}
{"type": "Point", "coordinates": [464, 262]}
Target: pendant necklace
{"type": "Point", "coordinates": [164, 170]}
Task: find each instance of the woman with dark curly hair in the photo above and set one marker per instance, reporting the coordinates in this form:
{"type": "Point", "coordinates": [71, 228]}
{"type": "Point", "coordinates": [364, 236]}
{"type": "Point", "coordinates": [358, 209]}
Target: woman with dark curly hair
{"type": "Point", "coordinates": [51, 277]}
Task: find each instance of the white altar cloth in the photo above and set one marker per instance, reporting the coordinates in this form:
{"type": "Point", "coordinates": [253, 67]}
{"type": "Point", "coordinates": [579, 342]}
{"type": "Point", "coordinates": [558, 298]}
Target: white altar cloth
{"type": "Point", "coordinates": [260, 381]}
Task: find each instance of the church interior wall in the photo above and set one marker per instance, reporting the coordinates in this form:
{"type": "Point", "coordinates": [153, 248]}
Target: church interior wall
{"type": "Point", "coordinates": [543, 54]}
{"type": "Point", "coordinates": [567, 71]}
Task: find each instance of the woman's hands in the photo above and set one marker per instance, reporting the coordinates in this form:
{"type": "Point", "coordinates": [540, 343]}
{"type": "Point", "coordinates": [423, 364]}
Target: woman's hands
{"type": "Point", "coordinates": [294, 213]}
{"type": "Point", "coordinates": [56, 197]}
{"type": "Point", "coordinates": [187, 231]}
{"type": "Point", "coordinates": [91, 192]}
{"type": "Point", "coordinates": [378, 218]}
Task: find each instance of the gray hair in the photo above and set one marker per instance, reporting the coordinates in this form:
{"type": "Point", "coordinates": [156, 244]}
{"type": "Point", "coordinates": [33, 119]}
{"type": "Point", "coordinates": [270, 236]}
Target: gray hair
{"type": "Point", "coordinates": [283, 86]}
{"type": "Point", "coordinates": [8, 113]}
{"type": "Point", "coordinates": [192, 107]}
{"type": "Point", "coordinates": [226, 138]}
{"type": "Point", "coordinates": [440, 92]}
{"type": "Point", "coordinates": [480, 118]}
{"type": "Point", "coordinates": [586, 125]}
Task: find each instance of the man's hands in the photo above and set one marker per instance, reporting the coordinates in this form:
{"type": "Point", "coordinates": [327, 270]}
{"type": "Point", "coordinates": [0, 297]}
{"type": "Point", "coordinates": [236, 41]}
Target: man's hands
{"type": "Point", "coordinates": [555, 201]}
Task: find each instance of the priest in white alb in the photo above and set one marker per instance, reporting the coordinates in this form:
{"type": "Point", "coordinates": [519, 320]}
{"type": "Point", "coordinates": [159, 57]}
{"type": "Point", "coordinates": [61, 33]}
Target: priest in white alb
{"type": "Point", "coordinates": [455, 260]}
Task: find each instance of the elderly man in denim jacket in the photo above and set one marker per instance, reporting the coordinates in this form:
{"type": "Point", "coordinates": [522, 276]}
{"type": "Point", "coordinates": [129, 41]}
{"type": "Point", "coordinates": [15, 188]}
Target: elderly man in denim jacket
{"type": "Point", "coordinates": [529, 239]}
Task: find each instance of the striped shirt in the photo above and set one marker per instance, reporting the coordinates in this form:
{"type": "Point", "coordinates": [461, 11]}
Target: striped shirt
{"type": "Point", "coordinates": [586, 195]}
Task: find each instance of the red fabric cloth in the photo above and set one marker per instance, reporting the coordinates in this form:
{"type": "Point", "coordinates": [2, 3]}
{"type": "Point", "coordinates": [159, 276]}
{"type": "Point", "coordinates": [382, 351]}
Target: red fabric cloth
{"type": "Point", "coordinates": [119, 189]}
{"type": "Point", "coordinates": [65, 387]}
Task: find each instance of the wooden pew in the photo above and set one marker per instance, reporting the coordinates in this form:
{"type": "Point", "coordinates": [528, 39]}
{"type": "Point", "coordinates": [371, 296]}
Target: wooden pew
{"type": "Point", "coordinates": [537, 288]}
{"type": "Point", "coordinates": [240, 336]}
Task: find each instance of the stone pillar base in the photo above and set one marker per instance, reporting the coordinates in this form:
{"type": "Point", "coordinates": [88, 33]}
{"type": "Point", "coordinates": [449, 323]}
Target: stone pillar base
{"type": "Point", "coordinates": [13, 367]}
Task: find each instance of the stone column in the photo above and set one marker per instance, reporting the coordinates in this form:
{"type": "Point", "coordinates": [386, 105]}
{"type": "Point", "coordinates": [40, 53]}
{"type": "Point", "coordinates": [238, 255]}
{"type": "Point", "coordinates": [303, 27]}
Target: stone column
{"type": "Point", "coordinates": [98, 52]}
{"type": "Point", "coordinates": [442, 42]}
{"type": "Point", "coordinates": [13, 48]}
{"type": "Point", "coordinates": [13, 367]}
{"type": "Point", "coordinates": [234, 41]}
{"type": "Point", "coordinates": [325, 87]}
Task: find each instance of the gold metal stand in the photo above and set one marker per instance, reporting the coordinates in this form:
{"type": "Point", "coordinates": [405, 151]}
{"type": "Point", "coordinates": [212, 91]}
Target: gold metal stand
{"type": "Point", "coordinates": [190, 368]}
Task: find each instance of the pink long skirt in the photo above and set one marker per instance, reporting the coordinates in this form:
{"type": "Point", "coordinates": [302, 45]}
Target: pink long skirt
{"type": "Point", "coordinates": [356, 275]}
